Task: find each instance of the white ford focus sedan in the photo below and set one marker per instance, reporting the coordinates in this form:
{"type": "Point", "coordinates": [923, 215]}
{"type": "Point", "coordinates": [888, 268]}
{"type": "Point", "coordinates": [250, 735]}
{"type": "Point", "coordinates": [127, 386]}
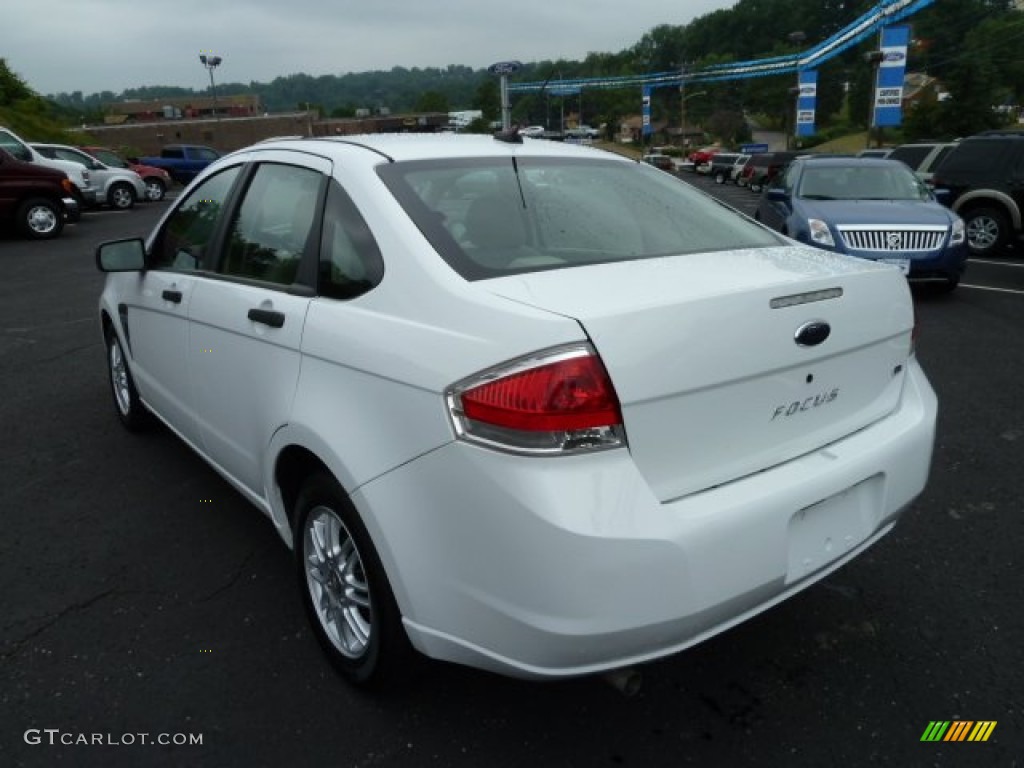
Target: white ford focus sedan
{"type": "Point", "coordinates": [534, 408]}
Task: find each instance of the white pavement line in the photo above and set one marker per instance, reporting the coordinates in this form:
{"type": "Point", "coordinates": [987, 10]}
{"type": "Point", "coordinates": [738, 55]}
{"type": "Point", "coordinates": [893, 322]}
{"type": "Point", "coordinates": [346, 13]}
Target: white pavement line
{"type": "Point", "coordinates": [989, 288]}
{"type": "Point", "coordinates": [996, 263]}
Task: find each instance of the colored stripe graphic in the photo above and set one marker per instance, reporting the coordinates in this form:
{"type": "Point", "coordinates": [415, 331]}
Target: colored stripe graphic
{"type": "Point", "coordinates": [982, 730]}
{"type": "Point", "coordinates": [958, 730]}
{"type": "Point", "coordinates": [935, 731]}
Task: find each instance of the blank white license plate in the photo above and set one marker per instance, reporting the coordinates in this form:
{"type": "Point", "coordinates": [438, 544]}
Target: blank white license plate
{"type": "Point", "coordinates": [820, 533]}
{"type": "Point", "coordinates": [902, 264]}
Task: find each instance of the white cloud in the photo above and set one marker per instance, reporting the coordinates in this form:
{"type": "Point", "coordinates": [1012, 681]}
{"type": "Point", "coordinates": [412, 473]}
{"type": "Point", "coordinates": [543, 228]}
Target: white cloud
{"type": "Point", "coordinates": [111, 45]}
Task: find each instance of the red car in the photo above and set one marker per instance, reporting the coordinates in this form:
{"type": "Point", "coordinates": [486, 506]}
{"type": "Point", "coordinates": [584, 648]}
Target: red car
{"type": "Point", "coordinates": [702, 157]}
{"type": "Point", "coordinates": [157, 180]}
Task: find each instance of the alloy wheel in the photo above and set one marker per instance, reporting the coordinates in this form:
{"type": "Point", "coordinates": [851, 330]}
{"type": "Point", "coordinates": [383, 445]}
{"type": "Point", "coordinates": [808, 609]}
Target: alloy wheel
{"type": "Point", "coordinates": [337, 582]}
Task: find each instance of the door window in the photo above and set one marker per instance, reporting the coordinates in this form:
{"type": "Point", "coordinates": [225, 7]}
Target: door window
{"type": "Point", "coordinates": [184, 243]}
{"type": "Point", "coordinates": [274, 224]}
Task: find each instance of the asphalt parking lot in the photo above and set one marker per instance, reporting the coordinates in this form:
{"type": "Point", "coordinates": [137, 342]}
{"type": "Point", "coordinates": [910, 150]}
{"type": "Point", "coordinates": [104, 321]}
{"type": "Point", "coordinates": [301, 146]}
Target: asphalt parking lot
{"type": "Point", "coordinates": [142, 595]}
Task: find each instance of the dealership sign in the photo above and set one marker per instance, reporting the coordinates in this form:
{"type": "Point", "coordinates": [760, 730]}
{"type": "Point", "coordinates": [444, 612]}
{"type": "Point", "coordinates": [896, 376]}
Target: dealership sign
{"type": "Point", "coordinates": [806, 103]}
{"type": "Point", "coordinates": [892, 68]}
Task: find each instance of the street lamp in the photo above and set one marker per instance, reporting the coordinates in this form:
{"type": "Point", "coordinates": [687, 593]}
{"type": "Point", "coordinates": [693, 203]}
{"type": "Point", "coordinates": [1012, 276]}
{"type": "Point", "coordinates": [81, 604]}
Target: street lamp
{"type": "Point", "coordinates": [211, 63]}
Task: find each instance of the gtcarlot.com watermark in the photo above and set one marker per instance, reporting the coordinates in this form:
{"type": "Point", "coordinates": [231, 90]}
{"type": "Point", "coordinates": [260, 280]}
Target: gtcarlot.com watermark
{"type": "Point", "coordinates": [56, 737]}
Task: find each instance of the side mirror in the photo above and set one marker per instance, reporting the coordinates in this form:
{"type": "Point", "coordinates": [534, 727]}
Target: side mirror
{"type": "Point", "coordinates": [121, 255]}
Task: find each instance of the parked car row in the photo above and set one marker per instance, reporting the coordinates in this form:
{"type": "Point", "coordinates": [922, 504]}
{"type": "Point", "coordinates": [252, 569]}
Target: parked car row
{"type": "Point", "coordinates": [45, 185]}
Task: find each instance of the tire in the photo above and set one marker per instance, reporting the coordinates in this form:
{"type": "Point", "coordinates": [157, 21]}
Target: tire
{"type": "Point", "coordinates": [155, 190]}
{"type": "Point", "coordinates": [121, 197]}
{"type": "Point", "coordinates": [345, 590]}
{"type": "Point", "coordinates": [719, 178]}
{"type": "Point", "coordinates": [127, 404]}
{"type": "Point", "coordinates": [40, 218]}
{"type": "Point", "coordinates": [755, 187]}
{"type": "Point", "coordinates": [988, 231]}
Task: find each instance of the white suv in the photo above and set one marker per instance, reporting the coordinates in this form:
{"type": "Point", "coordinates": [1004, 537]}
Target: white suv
{"type": "Point", "coordinates": [119, 188]}
{"type": "Point", "coordinates": [526, 406]}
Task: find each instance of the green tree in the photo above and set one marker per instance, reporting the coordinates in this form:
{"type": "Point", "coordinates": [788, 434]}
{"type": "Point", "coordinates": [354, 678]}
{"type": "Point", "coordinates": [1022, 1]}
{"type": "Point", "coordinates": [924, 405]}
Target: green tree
{"type": "Point", "coordinates": [432, 101]}
{"type": "Point", "coordinates": [12, 87]}
{"type": "Point", "coordinates": [488, 98]}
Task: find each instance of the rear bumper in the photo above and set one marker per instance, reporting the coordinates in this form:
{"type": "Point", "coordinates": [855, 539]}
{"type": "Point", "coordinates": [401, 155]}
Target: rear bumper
{"type": "Point", "coordinates": [567, 566]}
{"type": "Point", "coordinates": [72, 210]}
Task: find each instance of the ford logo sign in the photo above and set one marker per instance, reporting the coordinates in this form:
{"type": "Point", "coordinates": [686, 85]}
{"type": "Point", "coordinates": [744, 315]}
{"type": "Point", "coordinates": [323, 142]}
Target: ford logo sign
{"type": "Point", "coordinates": [504, 67]}
{"type": "Point", "coordinates": [812, 334]}
{"type": "Point", "coordinates": [894, 56]}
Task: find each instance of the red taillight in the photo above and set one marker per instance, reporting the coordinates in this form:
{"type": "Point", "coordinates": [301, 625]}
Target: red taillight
{"type": "Point", "coordinates": [553, 402]}
{"type": "Point", "coordinates": [569, 394]}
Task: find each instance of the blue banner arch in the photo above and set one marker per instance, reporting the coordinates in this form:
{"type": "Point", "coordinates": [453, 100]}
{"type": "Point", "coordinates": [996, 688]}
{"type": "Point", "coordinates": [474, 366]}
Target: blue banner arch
{"type": "Point", "coordinates": [885, 13]}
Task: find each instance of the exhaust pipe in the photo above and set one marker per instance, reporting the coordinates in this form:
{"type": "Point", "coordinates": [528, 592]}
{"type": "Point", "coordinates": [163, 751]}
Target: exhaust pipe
{"type": "Point", "coordinates": [626, 681]}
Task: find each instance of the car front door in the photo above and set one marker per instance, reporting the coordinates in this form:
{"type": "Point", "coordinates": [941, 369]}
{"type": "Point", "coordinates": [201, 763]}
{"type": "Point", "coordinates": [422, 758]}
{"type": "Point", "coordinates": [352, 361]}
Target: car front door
{"type": "Point", "coordinates": [157, 305]}
{"type": "Point", "coordinates": [246, 326]}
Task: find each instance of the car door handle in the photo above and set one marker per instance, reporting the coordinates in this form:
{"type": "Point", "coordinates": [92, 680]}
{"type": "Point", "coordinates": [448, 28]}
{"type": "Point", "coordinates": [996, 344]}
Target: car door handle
{"type": "Point", "coordinates": [173, 296]}
{"type": "Point", "coordinates": [267, 316]}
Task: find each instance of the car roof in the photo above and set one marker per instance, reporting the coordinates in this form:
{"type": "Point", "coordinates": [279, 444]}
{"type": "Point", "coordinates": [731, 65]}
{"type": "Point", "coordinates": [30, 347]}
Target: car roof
{"type": "Point", "coordinates": [53, 145]}
{"type": "Point", "coordinates": [430, 146]}
{"type": "Point", "coordinates": [846, 161]}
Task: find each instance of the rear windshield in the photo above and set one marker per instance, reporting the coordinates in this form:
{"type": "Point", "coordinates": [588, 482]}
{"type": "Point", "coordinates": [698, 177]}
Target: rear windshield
{"type": "Point", "coordinates": [496, 217]}
{"type": "Point", "coordinates": [974, 156]}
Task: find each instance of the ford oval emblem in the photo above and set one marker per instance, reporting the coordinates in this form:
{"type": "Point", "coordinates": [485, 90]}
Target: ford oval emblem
{"type": "Point", "coordinates": [812, 334]}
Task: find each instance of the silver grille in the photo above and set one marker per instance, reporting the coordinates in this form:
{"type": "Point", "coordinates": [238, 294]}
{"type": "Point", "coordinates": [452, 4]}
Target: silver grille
{"type": "Point", "coordinates": [898, 239]}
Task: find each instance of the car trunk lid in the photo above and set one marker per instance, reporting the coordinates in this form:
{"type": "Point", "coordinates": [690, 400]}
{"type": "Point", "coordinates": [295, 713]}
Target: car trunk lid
{"type": "Point", "coordinates": [703, 355]}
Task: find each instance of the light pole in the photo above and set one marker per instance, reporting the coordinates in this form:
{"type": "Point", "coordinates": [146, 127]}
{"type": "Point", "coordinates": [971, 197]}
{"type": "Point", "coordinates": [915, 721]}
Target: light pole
{"type": "Point", "coordinates": [791, 105]}
{"type": "Point", "coordinates": [874, 58]}
{"type": "Point", "coordinates": [211, 63]}
{"type": "Point", "coordinates": [796, 39]}
{"type": "Point", "coordinates": [682, 113]}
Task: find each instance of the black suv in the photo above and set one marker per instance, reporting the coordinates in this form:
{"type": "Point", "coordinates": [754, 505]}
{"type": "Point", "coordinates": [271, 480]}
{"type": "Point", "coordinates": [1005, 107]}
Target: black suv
{"type": "Point", "coordinates": [982, 179]}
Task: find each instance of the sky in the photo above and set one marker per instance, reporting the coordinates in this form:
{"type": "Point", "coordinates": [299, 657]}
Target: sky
{"type": "Point", "coordinates": [62, 46]}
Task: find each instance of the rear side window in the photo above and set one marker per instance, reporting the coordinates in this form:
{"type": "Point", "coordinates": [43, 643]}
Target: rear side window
{"type": "Point", "coordinates": [974, 157]}
{"type": "Point", "coordinates": [350, 260]}
{"type": "Point", "coordinates": [494, 217]}
{"type": "Point", "coordinates": [912, 156]}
